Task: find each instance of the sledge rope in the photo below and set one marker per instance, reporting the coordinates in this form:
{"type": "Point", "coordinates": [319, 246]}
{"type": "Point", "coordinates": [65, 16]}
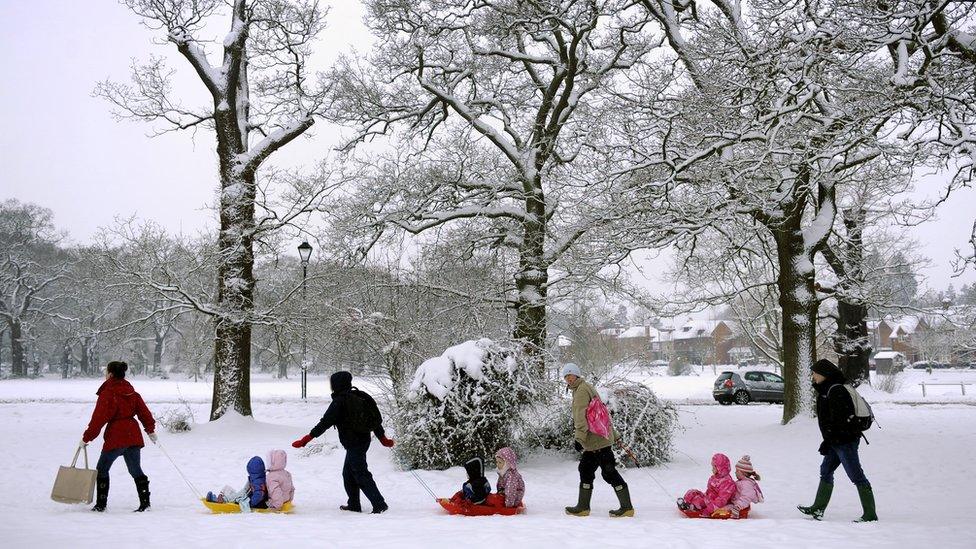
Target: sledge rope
{"type": "Point", "coordinates": [185, 480]}
{"type": "Point", "coordinates": [631, 455]}
{"type": "Point", "coordinates": [424, 484]}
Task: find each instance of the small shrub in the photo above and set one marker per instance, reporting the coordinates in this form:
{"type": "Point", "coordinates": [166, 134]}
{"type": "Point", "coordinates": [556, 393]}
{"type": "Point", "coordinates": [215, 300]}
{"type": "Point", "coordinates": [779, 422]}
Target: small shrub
{"type": "Point", "coordinates": [178, 419]}
{"type": "Point", "coordinates": [889, 383]}
{"type": "Point", "coordinates": [679, 367]}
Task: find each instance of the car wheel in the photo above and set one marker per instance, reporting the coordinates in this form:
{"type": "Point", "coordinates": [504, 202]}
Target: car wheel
{"type": "Point", "coordinates": [742, 397]}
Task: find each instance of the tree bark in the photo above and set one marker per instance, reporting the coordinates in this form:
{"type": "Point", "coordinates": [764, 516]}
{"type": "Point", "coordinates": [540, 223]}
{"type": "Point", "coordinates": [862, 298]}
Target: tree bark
{"type": "Point", "coordinates": [851, 341]}
{"type": "Point", "coordinates": [157, 359]}
{"type": "Point", "coordinates": [18, 360]}
{"type": "Point", "coordinates": [532, 279]}
{"type": "Point", "coordinates": [799, 305]}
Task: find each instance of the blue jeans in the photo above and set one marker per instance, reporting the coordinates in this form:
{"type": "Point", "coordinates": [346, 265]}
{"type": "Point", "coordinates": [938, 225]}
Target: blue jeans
{"type": "Point", "coordinates": [356, 477]}
{"type": "Point", "coordinates": [129, 453]}
{"type": "Point", "coordinates": [846, 455]}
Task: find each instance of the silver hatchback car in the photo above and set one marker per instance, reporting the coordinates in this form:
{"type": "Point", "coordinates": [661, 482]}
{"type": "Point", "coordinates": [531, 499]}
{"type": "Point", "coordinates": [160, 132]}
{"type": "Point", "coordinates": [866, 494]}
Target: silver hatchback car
{"type": "Point", "coordinates": [749, 387]}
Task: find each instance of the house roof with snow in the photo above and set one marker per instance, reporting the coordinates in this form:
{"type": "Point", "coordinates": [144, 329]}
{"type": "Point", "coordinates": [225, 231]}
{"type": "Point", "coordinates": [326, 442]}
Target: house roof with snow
{"type": "Point", "coordinates": [888, 355]}
{"type": "Point", "coordinates": [700, 328]}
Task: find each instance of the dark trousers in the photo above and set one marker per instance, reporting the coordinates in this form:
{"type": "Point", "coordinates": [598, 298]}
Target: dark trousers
{"type": "Point", "coordinates": [846, 455]}
{"type": "Point", "coordinates": [129, 453]}
{"type": "Point", "coordinates": [356, 477]}
{"type": "Point", "coordinates": [604, 460]}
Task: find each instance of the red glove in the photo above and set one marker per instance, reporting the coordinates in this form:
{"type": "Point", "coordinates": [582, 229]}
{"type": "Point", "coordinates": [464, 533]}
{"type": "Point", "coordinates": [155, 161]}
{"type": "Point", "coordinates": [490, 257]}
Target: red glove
{"type": "Point", "coordinates": [388, 442]}
{"type": "Point", "coordinates": [300, 443]}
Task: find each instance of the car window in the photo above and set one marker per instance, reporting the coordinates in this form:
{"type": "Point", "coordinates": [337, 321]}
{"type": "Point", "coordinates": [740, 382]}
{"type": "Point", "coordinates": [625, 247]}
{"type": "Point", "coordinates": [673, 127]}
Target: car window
{"type": "Point", "coordinates": [724, 376]}
{"type": "Point", "coordinates": [753, 376]}
{"type": "Point", "coordinates": [773, 378]}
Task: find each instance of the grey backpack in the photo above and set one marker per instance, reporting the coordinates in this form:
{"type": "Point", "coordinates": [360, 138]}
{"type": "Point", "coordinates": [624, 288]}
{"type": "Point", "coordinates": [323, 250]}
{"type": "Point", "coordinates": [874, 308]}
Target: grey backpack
{"type": "Point", "coordinates": [863, 417]}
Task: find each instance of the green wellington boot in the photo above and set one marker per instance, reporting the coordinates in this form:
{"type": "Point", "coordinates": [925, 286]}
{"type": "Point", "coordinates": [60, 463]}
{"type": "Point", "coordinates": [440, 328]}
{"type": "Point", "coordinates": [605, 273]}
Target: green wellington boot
{"type": "Point", "coordinates": [626, 508]}
{"type": "Point", "coordinates": [819, 503]}
{"type": "Point", "coordinates": [582, 508]}
{"type": "Point", "coordinates": [867, 503]}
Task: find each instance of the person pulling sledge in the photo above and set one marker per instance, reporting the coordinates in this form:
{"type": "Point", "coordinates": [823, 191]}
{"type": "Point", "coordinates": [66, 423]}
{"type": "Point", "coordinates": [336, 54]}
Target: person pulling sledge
{"type": "Point", "coordinates": [594, 448]}
{"type": "Point", "coordinates": [355, 416]}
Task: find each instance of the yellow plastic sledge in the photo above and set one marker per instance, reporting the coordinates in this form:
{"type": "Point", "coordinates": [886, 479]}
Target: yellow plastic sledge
{"type": "Point", "coordinates": [224, 508]}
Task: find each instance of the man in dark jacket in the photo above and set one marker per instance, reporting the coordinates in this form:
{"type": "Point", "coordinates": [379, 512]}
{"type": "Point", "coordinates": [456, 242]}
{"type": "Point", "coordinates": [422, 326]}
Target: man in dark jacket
{"type": "Point", "coordinates": [341, 415]}
{"type": "Point", "coordinates": [835, 412]}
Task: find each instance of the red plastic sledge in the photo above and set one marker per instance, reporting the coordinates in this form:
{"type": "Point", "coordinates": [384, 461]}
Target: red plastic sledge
{"type": "Point", "coordinates": [690, 513]}
{"type": "Point", "coordinates": [470, 510]}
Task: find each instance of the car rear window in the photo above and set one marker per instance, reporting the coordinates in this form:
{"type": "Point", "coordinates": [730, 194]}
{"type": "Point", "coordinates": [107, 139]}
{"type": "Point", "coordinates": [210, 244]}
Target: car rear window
{"type": "Point", "coordinates": [724, 376]}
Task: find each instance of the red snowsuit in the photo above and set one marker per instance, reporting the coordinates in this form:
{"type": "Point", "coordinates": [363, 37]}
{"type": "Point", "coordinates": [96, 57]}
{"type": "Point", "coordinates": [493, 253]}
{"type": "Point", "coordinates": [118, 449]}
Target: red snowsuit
{"type": "Point", "coordinates": [116, 409]}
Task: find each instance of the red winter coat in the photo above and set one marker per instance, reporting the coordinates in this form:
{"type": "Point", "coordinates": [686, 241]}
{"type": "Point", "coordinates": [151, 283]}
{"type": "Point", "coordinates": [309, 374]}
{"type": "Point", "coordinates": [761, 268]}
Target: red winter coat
{"type": "Point", "coordinates": [117, 408]}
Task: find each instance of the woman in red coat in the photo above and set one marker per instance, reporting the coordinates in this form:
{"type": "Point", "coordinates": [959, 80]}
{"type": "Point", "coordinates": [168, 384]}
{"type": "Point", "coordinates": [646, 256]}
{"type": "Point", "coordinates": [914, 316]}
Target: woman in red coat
{"type": "Point", "coordinates": [117, 408]}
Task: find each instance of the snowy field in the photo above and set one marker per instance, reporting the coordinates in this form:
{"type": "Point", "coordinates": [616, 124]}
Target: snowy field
{"type": "Point", "coordinates": [917, 461]}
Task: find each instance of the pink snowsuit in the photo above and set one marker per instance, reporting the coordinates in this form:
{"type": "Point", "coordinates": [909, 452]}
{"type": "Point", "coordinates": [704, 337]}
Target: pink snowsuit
{"type": "Point", "coordinates": [720, 490]}
{"type": "Point", "coordinates": [280, 487]}
{"type": "Point", "coordinates": [747, 492]}
{"type": "Point", "coordinates": [510, 482]}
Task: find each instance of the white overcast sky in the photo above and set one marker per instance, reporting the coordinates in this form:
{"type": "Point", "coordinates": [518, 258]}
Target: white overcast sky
{"type": "Point", "coordinates": [61, 148]}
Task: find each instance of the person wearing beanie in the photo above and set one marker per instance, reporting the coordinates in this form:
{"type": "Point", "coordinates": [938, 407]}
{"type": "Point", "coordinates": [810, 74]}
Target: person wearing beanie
{"type": "Point", "coordinates": [355, 416]}
{"type": "Point", "coordinates": [841, 439]}
{"type": "Point", "coordinates": [116, 410]}
{"type": "Point", "coordinates": [595, 450]}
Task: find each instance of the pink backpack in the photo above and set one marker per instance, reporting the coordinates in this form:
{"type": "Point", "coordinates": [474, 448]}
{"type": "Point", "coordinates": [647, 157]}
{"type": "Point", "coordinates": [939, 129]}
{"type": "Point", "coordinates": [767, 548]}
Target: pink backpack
{"type": "Point", "coordinates": [598, 417]}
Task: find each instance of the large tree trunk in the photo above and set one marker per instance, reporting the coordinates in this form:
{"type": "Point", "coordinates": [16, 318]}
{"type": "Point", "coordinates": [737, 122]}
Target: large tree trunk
{"type": "Point", "coordinates": [18, 359]}
{"type": "Point", "coordinates": [532, 279]}
{"type": "Point", "coordinates": [851, 341]}
{"type": "Point", "coordinates": [235, 279]}
{"type": "Point", "coordinates": [87, 349]}
{"type": "Point", "coordinates": [799, 305]}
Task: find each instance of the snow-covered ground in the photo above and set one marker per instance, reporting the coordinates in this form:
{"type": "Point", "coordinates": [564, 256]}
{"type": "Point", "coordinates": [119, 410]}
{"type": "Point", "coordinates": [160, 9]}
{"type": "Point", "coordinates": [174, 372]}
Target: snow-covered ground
{"type": "Point", "coordinates": [920, 464]}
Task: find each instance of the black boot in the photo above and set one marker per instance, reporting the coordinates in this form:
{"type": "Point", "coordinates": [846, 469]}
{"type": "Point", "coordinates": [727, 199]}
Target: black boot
{"type": "Point", "coordinates": [380, 507]}
{"type": "Point", "coordinates": [142, 488]}
{"type": "Point", "coordinates": [101, 494]}
{"type": "Point", "coordinates": [351, 508]}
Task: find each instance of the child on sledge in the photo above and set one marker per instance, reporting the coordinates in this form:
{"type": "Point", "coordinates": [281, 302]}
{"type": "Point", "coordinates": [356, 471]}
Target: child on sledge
{"type": "Point", "coordinates": [511, 487]}
{"type": "Point", "coordinates": [280, 487]}
{"type": "Point", "coordinates": [254, 494]}
{"type": "Point", "coordinates": [476, 489]}
{"type": "Point", "coordinates": [747, 490]}
{"type": "Point", "coordinates": [721, 489]}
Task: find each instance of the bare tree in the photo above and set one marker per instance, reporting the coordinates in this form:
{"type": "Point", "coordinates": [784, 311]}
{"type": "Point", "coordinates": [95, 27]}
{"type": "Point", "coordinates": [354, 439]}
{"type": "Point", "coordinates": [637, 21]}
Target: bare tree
{"type": "Point", "coordinates": [767, 113]}
{"type": "Point", "coordinates": [263, 98]}
{"type": "Point", "coordinates": [30, 267]}
{"type": "Point", "coordinates": [527, 83]}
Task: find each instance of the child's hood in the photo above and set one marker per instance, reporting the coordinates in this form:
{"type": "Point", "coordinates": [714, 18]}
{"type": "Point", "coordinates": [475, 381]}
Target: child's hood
{"type": "Point", "coordinates": [255, 469]}
{"type": "Point", "coordinates": [277, 460]}
{"type": "Point", "coordinates": [475, 468]}
{"type": "Point", "coordinates": [508, 455]}
{"type": "Point", "coordinates": [722, 464]}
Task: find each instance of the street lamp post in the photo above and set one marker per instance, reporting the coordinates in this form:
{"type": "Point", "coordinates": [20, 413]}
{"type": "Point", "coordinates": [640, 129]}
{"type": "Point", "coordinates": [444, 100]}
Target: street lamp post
{"type": "Point", "coordinates": [304, 252]}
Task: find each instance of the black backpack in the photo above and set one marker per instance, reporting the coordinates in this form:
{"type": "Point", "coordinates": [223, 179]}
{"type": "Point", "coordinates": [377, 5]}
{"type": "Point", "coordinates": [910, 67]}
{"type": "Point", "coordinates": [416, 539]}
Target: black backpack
{"type": "Point", "coordinates": [362, 414]}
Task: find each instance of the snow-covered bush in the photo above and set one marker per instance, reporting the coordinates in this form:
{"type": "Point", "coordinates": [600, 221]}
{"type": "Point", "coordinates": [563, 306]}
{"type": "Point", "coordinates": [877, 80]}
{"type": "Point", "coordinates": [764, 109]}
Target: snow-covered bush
{"type": "Point", "coordinates": [646, 424]}
{"type": "Point", "coordinates": [462, 404]}
{"type": "Point", "coordinates": [177, 419]}
{"type": "Point", "coordinates": [679, 367]}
